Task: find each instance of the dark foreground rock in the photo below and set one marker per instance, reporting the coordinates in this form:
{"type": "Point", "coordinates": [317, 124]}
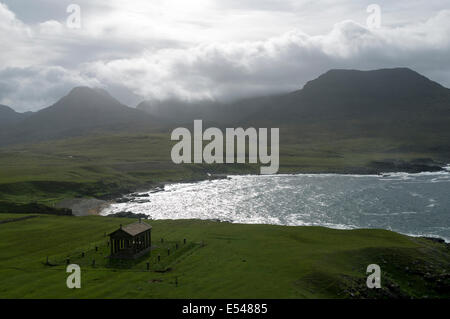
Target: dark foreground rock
{"type": "Point", "coordinates": [11, 220]}
{"type": "Point", "coordinates": [435, 239]}
{"type": "Point", "coordinates": [33, 208]}
{"type": "Point", "coordinates": [129, 215]}
{"type": "Point", "coordinates": [413, 166]}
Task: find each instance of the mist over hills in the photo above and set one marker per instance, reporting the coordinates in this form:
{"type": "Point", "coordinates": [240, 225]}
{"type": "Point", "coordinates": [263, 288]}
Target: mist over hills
{"type": "Point", "coordinates": [338, 95]}
{"type": "Point", "coordinates": [387, 102]}
{"type": "Point", "coordinates": [181, 112]}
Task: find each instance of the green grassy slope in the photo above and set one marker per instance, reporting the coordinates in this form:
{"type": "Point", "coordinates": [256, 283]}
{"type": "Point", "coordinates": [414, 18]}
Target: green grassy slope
{"type": "Point", "coordinates": [236, 261]}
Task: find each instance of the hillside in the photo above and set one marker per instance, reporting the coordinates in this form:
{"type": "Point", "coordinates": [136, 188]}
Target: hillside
{"type": "Point", "coordinates": [386, 95]}
{"type": "Point", "coordinates": [369, 97]}
{"type": "Point", "coordinates": [82, 111]}
{"type": "Point", "coordinates": [234, 261]}
{"type": "Point", "coordinates": [177, 112]}
{"type": "Point", "coordinates": [397, 104]}
{"type": "Point", "coordinates": [8, 116]}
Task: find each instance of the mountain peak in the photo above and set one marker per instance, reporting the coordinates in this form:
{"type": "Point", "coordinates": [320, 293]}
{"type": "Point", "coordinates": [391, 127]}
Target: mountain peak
{"type": "Point", "coordinates": [83, 97]}
{"type": "Point", "coordinates": [400, 73]}
{"type": "Point", "coordinates": [82, 111]}
{"type": "Point", "coordinates": [400, 82]}
{"type": "Point", "coordinates": [85, 91]}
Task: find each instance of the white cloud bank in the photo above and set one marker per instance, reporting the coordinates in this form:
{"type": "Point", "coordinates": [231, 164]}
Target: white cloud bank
{"type": "Point", "coordinates": [42, 62]}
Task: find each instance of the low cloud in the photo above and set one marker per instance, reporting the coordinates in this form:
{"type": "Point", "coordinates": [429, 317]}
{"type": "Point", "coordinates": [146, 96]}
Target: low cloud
{"type": "Point", "coordinates": [281, 64]}
{"type": "Point", "coordinates": [43, 61]}
{"type": "Point", "coordinates": [32, 88]}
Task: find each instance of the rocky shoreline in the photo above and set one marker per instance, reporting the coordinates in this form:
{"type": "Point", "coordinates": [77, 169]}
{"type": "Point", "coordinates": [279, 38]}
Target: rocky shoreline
{"type": "Point", "coordinates": [141, 194]}
{"type": "Point", "coordinates": [129, 215]}
{"type": "Point", "coordinates": [414, 166]}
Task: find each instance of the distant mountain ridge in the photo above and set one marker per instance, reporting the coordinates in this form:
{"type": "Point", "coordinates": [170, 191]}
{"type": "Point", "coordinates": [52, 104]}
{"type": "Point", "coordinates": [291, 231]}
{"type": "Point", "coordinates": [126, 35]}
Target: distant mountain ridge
{"type": "Point", "coordinates": [397, 105]}
{"type": "Point", "coordinates": [82, 111]}
{"type": "Point", "coordinates": [386, 102]}
{"type": "Point", "coordinates": [387, 83]}
{"type": "Point", "coordinates": [345, 95]}
{"type": "Point", "coordinates": [335, 95]}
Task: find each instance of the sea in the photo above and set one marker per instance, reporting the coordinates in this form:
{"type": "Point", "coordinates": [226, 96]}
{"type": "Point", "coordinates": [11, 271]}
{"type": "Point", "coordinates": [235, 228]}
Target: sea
{"type": "Point", "coordinates": [413, 204]}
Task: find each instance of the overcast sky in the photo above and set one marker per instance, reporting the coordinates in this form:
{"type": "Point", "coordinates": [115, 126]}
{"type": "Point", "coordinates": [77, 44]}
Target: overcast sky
{"type": "Point", "coordinates": [208, 49]}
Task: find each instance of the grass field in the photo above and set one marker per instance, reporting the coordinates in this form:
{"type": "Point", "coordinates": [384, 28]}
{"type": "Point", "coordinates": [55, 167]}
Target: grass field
{"type": "Point", "coordinates": [235, 261]}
